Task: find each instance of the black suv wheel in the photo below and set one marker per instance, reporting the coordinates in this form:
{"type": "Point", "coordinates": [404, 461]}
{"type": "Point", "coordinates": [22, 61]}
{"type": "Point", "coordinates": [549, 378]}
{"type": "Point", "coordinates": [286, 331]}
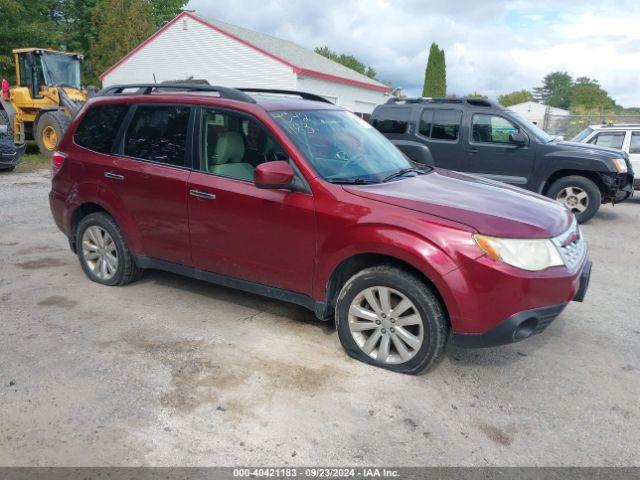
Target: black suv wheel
{"type": "Point", "coordinates": [390, 318]}
{"type": "Point", "coordinates": [578, 194]}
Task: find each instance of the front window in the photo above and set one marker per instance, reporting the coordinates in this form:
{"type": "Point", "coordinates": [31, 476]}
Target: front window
{"type": "Point", "coordinates": [609, 139]}
{"type": "Point", "coordinates": [492, 129]}
{"type": "Point", "coordinates": [342, 147]}
{"type": "Point", "coordinates": [532, 129]}
{"type": "Point", "coordinates": [61, 70]}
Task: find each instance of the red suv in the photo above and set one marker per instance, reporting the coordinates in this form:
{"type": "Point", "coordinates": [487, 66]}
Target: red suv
{"type": "Point", "coordinates": [297, 199]}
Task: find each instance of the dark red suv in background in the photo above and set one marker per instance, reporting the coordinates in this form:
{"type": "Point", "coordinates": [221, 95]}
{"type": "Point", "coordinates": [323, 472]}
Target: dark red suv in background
{"type": "Point", "coordinates": [297, 199]}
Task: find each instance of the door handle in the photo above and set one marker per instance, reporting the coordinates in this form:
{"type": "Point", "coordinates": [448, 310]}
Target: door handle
{"type": "Point", "coordinates": [203, 195]}
{"type": "Point", "coordinates": [114, 176]}
{"type": "Point", "coordinates": [472, 150]}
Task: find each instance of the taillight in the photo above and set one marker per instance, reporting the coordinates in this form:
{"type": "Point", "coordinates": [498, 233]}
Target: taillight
{"type": "Point", "coordinates": [56, 162]}
{"type": "Point", "coordinates": [5, 89]}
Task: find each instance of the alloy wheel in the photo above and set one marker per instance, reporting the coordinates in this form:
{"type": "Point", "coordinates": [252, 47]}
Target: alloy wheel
{"type": "Point", "coordinates": [386, 325]}
{"type": "Point", "coordinates": [99, 252]}
{"type": "Point", "coordinates": [575, 199]}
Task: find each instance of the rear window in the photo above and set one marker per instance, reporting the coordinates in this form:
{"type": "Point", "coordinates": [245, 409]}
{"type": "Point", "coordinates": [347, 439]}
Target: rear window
{"type": "Point", "coordinates": [440, 124]}
{"type": "Point", "coordinates": [100, 126]}
{"type": "Point", "coordinates": [392, 119]}
{"type": "Point", "coordinates": [159, 134]}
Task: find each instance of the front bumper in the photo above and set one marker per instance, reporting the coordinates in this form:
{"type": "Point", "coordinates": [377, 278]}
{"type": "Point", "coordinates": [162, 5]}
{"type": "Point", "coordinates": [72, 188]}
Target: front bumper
{"type": "Point", "coordinates": [524, 324]}
{"type": "Point", "coordinates": [618, 187]}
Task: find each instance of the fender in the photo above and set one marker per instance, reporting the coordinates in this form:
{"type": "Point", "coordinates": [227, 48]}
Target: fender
{"type": "Point", "coordinates": [404, 245]}
{"type": "Point", "coordinates": [101, 194]}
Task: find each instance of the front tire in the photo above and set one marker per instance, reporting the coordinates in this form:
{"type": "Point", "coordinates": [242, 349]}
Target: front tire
{"type": "Point", "coordinates": [579, 194]}
{"type": "Point", "coordinates": [50, 130]}
{"type": "Point", "coordinates": [103, 251]}
{"type": "Point", "coordinates": [390, 318]}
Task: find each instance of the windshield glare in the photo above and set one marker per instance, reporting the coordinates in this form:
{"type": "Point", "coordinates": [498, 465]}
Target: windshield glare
{"type": "Point", "coordinates": [61, 70]}
{"type": "Point", "coordinates": [341, 146]}
{"type": "Point", "coordinates": [536, 131]}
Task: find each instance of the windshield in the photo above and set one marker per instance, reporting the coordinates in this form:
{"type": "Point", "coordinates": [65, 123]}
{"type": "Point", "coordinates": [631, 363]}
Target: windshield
{"type": "Point", "coordinates": [61, 70]}
{"type": "Point", "coordinates": [341, 146]}
{"type": "Point", "coordinates": [533, 129]}
{"type": "Point", "coordinates": [582, 135]}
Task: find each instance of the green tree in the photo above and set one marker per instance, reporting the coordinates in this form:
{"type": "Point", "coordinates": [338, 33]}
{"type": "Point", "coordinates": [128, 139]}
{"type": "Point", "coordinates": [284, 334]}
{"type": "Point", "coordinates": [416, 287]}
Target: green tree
{"type": "Point", "coordinates": [121, 25]}
{"type": "Point", "coordinates": [163, 11]}
{"type": "Point", "coordinates": [26, 23]}
{"type": "Point", "coordinates": [348, 61]}
{"type": "Point", "coordinates": [587, 95]}
{"type": "Point", "coordinates": [555, 90]}
{"type": "Point", "coordinates": [477, 95]}
{"type": "Point", "coordinates": [435, 77]}
{"type": "Point", "coordinates": [514, 98]}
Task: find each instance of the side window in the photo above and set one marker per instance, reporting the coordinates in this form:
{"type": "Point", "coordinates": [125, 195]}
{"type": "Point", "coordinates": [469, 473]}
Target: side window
{"type": "Point", "coordinates": [100, 126]}
{"type": "Point", "coordinates": [635, 143]}
{"type": "Point", "coordinates": [392, 119]}
{"type": "Point", "coordinates": [234, 145]}
{"type": "Point", "coordinates": [440, 124]}
{"type": "Point", "coordinates": [492, 129]}
{"type": "Point", "coordinates": [609, 139]}
{"type": "Point", "coordinates": [158, 133]}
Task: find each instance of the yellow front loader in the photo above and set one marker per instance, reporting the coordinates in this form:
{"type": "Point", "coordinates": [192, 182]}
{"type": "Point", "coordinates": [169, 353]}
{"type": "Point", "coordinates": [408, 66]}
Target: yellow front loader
{"type": "Point", "coordinates": [47, 94]}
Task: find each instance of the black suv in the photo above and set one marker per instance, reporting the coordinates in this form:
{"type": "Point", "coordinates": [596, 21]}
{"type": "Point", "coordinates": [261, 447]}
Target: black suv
{"type": "Point", "coordinates": [484, 138]}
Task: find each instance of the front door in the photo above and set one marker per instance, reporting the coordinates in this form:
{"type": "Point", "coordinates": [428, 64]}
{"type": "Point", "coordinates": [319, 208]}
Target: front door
{"type": "Point", "coordinates": [490, 153]}
{"type": "Point", "coordinates": [634, 153]}
{"type": "Point", "coordinates": [237, 229]}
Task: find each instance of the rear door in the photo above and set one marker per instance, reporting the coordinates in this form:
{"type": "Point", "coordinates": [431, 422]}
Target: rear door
{"type": "Point", "coordinates": [491, 155]}
{"type": "Point", "coordinates": [150, 172]}
{"type": "Point", "coordinates": [439, 129]}
{"type": "Point", "coordinates": [239, 230]}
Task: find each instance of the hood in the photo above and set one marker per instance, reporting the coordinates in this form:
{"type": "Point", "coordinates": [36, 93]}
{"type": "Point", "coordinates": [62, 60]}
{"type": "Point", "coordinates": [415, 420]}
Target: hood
{"type": "Point", "coordinates": [489, 207]}
{"type": "Point", "coordinates": [589, 149]}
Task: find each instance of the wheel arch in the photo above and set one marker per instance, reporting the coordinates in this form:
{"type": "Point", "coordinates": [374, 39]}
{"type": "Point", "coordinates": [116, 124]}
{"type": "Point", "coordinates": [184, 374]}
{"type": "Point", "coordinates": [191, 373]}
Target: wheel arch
{"type": "Point", "coordinates": [558, 174]}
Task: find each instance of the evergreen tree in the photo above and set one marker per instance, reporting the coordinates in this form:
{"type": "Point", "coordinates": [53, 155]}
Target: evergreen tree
{"type": "Point", "coordinates": [435, 78]}
{"type": "Point", "coordinates": [120, 25]}
{"type": "Point", "coordinates": [555, 90]}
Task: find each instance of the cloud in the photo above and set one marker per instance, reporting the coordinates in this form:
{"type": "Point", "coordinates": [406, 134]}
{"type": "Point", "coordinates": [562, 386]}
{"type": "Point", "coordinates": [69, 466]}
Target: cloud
{"type": "Point", "coordinates": [491, 46]}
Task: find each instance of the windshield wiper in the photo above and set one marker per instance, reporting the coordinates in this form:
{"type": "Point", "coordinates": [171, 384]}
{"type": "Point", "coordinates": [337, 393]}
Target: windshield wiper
{"type": "Point", "coordinates": [351, 181]}
{"type": "Point", "coordinates": [402, 172]}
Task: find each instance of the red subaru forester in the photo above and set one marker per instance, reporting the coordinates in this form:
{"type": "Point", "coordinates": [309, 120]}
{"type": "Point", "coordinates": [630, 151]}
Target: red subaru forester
{"type": "Point", "coordinates": [300, 200]}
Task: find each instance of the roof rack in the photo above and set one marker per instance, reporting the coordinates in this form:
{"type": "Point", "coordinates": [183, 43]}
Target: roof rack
{"type": "Point", "coordinates": [476, 102]}
{"type": "Point", "coordinates": [147, 88]}
{"type": "Point", "coordinates": [303, 95]}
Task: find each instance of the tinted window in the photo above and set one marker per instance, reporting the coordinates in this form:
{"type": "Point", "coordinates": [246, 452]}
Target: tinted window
{"type": "Point", "coordinates": [159, 134]}
{"type": "Point", "coordinates": [609, 139]}
{"type": "Point", "coordinates": [492, 129]}
{"type": "Point", "coordinates": [99, 127]}
{"type": "Point", "coordinates": [234, 145]}
{"type": "Point", "coordinates": [392, 120]}
{"type": "Point", "coordinates": [635, 143]}
{"type": "Point", "coordinates": [440, 124]}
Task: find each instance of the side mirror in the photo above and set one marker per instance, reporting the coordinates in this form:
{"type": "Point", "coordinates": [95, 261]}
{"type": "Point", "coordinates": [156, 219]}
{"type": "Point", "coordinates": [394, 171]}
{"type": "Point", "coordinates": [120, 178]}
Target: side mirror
{"type": "Point", "coordinates": [518, 138]}
{"type": "Point", "coordinates": [273, 175]}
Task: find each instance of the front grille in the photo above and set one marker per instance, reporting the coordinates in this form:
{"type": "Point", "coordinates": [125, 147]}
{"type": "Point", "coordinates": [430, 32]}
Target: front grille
{"type": "Point", "coordinates": [572, 246]}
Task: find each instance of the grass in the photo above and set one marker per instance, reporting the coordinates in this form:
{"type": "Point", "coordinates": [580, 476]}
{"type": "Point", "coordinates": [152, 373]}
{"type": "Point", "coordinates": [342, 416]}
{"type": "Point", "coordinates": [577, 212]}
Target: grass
{"type": "Point", "coordinates": [33, 160]}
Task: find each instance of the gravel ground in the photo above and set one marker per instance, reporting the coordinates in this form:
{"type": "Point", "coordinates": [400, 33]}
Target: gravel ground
{"type": "Point", "coordinates": [173, 371]}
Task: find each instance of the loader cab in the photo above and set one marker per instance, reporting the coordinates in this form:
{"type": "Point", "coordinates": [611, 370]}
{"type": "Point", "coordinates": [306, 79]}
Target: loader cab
{"type": "Point", "coordinates": [37, 68]}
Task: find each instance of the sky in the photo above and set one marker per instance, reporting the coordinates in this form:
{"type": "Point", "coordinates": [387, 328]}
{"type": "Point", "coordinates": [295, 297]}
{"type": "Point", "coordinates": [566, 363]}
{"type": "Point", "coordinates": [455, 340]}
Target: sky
{"type": "Point", "coordinates": [491, 46]}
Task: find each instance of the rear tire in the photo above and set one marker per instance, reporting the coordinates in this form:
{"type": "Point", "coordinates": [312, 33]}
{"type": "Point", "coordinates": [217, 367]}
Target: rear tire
{"type": "Point", "coordinates": [98, 237]}
{"type": "Point", "coordinates": [407, 340]}
{"type": "Point", "coordinates": [50, 130]}
{"type": "Point", "coordinates": [581, 195]}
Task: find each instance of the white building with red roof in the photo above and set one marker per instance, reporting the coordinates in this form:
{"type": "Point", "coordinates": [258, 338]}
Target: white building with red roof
{"type": "Point", "coordinates": [191, 46]}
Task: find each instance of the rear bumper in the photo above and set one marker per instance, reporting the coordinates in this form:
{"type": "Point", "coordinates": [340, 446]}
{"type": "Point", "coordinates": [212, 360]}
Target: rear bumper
{"type": "Point", "coordinates": [524, 324]}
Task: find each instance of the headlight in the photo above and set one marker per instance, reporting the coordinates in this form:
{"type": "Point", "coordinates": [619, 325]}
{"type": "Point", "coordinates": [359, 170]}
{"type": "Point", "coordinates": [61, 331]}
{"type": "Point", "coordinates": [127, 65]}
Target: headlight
{"type": "Point", "coordinates": [528, 254]}
{"type": "Point", "coordinates": [620, 164]}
